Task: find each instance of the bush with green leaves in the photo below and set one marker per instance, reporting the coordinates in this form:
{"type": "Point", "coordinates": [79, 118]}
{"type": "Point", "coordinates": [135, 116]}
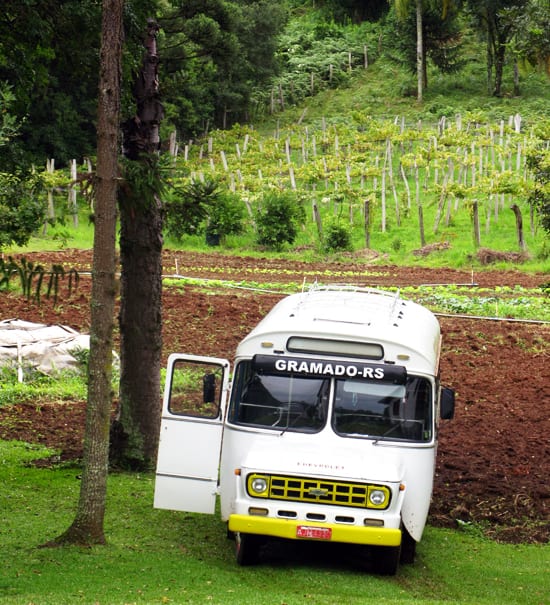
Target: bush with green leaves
{"type": "Point", "coordinates": [203, 207]}
{"type": "Point", "coordinates": [186, 207]}
{"type": "Point", "coordinates": [277, 219]}
{"type": "Point", "coordinates": [22, 208]}
{"type": "Point", "coordinates": [337, 237]}
{"type": "Point", "coordinates": [226, 215]}
{"type": "Point", "coordinates": [539, 162]}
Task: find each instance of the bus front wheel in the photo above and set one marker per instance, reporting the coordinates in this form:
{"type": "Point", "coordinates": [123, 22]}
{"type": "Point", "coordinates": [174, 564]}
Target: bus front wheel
{"type": "Point", "coordinates": [385, 560]}
{"type": "Point", "coordinates": [247, 548]}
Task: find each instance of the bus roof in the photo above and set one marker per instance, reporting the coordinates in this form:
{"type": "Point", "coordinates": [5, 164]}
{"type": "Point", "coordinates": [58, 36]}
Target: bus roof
{"type": "Point", "coordinates": [408, 332]}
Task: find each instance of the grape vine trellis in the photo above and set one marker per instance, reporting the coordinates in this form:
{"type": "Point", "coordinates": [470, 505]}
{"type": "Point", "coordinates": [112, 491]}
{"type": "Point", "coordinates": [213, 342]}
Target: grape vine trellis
{"type": "Point", "coordinates": [379, 175]}
{"type": "Point", "coordinates": [458, 165]}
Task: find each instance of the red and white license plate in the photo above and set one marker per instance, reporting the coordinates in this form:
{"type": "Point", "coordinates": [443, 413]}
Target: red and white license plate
{"type": "Point", "coordinates": [313, 533]}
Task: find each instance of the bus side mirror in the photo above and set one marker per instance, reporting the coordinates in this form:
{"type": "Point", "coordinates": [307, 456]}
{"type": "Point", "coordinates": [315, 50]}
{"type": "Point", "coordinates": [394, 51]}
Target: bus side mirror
{"type": "Point", "coordinates": [447, 404]}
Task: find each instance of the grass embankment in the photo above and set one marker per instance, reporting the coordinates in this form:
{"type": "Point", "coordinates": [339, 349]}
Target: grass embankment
{"type": "Point", "coordinates": [155, 556]}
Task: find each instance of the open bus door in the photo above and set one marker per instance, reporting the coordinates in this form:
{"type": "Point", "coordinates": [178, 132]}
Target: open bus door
{"type": "Point", "coordinates": [191, 433]}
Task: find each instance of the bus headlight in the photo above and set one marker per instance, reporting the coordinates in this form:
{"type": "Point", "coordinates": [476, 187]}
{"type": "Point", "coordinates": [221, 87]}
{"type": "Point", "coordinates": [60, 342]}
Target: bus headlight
{"type": "Point", "coordinates": [378, 497]}
{"type": "Point", "coordinates": [258, 486]}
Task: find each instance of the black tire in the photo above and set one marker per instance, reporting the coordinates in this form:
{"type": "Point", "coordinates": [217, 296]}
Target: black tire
{"type": "Point", "coordinates": [385, 560]}
{"type": "Point", "coordinates": [408, 548]}
{"type": "Point", "coordinates": [247, 548]}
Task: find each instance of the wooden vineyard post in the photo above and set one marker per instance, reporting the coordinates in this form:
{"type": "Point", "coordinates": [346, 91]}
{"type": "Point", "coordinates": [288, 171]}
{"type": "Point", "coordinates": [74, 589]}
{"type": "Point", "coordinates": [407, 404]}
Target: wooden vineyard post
{"type": "Point", "coordinates": [50, 169]}
{"type": "Point", "coordinates": [383, 198]}
{"type": "Point", "coordinates": [519, 226]}
{"type": "Point", "coordinates": [292, 177]}
{"type": "Point", "coordinates": [73, 208]}
{"type": "Point", "coordinates": [318, 222]}
{"type": "Point", "coordinates": [473, 156]}
{"type": "Point", "coordinates": [173, 145]}
{"type": "Point", "coordinates": [421, 225]}
{"type": "Point", "coordinates": [406, 183]}
{"type": "Point", "coordinates": [392, 182]}
{"type": "Point", "coordinates": [367, 223]}
{"type": "Point", "coordinates": [443, 197]}
{"type": "Point", "coordinates": [419, 206]}
{"type": "Point", "coordinates": [475, 218]}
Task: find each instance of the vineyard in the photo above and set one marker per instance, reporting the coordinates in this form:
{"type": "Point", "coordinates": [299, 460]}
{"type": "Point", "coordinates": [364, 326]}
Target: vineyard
{"type": "Point", "coordinates": [379, 176]}
{"type": "Point", "coordinates": [459, 190]}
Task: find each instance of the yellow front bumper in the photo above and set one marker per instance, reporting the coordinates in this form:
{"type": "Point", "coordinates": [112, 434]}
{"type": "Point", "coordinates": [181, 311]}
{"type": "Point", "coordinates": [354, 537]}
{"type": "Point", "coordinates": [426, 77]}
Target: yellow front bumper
{"type": "Point", "coordinates": [287, 528]}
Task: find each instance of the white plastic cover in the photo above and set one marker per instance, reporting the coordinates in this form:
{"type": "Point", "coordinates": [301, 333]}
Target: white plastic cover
{"type": "Point", "coordinates": [46, 348]}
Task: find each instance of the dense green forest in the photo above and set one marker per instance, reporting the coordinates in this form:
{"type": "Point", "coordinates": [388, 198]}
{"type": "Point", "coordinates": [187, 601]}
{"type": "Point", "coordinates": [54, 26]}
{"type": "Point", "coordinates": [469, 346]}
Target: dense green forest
{"type": "Point", "coordinates": [222, 60]}
{"type": "Point", "coordinates": [226, 63]}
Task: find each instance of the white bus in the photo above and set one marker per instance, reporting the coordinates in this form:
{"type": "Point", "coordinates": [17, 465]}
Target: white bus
{"type": "Point", "coordinates": [327, 430]}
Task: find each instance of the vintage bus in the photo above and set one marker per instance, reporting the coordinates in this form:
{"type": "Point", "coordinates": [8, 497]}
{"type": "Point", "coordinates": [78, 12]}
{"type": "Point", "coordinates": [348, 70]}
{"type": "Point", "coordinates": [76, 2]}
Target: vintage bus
{"type": "Point", "coordinates": [326, 430]}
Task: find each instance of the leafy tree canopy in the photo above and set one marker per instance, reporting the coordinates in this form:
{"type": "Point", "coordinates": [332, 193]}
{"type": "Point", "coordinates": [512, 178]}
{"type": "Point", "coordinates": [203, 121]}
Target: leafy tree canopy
{"type": "Point", "coordinates": [213, 54]}
{"type": "Point", "coordinates": [441, 35]}
{"type": "Point", "coordinates": [220, 59]}
{"type": "Point", "coordinates": [356, 10]}
{"type": "Point", "coordinates": [532, 38]}
{"type": "Point", "coordinates": [49, 54]}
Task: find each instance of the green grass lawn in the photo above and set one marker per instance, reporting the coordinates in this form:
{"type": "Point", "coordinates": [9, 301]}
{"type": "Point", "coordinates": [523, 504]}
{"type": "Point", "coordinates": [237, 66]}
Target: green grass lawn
{"type": "Point", "coordinates": [155, 556]}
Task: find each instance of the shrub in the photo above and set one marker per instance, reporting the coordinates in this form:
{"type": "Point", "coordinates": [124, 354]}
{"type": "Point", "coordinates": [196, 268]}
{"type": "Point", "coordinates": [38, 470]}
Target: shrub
{"type": "Point", "coordinates": [202, 207]}
{"type": "Point", "coordinates": [337, 237]}
{"type": "Point", "coordinates": [539, 162]}
{"type": "Point", "coordinates": [186, 207]}
{"type": "Point", "coordinates": [226, 215]}
{"type": "Point", "coordinates": [278, 218]}
{"type": "Point", "coordinates": [22, 208]}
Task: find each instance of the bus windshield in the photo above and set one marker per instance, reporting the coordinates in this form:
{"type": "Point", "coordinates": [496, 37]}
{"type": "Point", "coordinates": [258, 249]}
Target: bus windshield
{"type": "Point", "coordinates": [384, 410]}
{"type": "Point", "coordinates": [354, 408]}
{"type": "Point", "coordinates": [278, 401]}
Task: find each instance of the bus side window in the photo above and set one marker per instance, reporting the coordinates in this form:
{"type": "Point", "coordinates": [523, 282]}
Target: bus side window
{"type": "Point", "coordinates": [195, 389]}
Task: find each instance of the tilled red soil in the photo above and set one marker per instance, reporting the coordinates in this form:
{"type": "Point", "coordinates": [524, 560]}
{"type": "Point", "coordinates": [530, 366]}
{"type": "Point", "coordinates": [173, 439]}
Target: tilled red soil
{"type": "Point", "coordinates": [494, 456]}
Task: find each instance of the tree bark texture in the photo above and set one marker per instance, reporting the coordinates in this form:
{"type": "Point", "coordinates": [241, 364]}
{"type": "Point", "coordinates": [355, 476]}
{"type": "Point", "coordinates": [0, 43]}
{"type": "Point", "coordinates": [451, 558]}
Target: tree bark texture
{"type": "Point", "coordinates": [136, 431]}
{"type": "Point", "coordinates": [141, 337]}
{"type": "Point", "coordinates": [87, 527]}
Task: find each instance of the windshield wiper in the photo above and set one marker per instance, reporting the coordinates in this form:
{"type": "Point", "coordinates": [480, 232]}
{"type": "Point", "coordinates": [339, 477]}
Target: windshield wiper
{"type": "Point", "coordinates": [292, 424]}
{"type": "Point", "coordinates": [388, 432]}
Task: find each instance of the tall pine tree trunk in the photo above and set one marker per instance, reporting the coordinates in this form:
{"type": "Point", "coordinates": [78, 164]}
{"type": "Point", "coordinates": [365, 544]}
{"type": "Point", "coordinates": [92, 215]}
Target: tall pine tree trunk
{"type": "Point", "coordinates": [87, 527]}
{"type": "Point", "coordinates": [500, 53]}
{"type": "Point", "coordinates": [136, 431]}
